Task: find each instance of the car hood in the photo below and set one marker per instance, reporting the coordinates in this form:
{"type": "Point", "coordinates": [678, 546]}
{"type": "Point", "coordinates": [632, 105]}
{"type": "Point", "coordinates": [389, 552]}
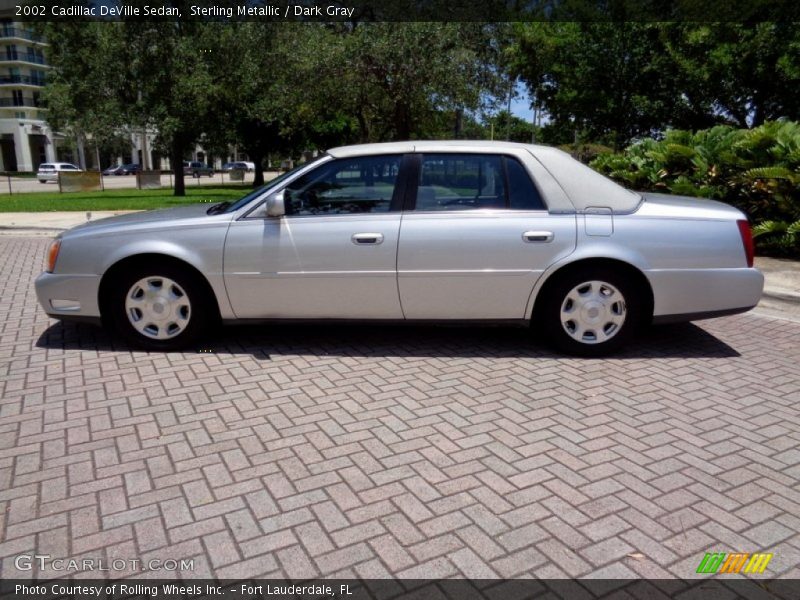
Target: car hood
{"type": "Point", "coordinates": [668, 205]}
{"type": "Point", "coordinates": [194, 214]}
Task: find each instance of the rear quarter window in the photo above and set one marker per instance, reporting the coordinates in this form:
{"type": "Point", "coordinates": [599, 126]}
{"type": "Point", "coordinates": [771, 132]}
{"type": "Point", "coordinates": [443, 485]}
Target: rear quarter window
{"type": "Point", "coordinates": [522, 193]}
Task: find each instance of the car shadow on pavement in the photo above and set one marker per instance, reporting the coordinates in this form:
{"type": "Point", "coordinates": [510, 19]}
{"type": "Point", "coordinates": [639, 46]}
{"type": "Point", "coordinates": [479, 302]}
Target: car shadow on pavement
{"type": "Point", "coordinates": [685, 340]}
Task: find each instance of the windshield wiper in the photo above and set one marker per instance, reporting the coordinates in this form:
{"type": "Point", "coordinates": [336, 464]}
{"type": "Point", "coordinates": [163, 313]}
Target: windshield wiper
{"type": "Point", "coordinates": [218, 208]}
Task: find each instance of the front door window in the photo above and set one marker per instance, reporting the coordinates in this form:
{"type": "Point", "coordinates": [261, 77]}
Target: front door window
{"type": "Point", "coordinates": [345, 186]}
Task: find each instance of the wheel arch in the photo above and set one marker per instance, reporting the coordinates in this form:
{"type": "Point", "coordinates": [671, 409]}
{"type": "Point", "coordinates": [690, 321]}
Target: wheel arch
{"type": "Point", "coordinates": [631, 270]}
{"type": "Point", "coordinates": [149, 258]}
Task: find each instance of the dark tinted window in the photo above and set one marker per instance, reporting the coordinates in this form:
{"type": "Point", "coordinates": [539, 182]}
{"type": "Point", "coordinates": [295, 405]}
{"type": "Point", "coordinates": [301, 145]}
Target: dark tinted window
{"type": "Point", "coordinates": [522, 194]}
{"type": "Point", "coordinates": [461, 182]}
{"type": "Point", "coordinates": [345, 186]}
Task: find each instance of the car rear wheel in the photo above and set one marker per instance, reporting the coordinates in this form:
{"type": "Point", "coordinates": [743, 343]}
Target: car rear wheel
{"type": "Point", "coordinates": [159, 308]}
{"type": "Point", "coordinates": [591, 312]}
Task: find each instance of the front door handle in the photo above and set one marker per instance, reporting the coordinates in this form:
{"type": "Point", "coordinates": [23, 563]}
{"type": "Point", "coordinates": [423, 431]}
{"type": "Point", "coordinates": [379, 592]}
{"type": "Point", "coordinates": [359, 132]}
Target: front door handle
{"type": "Point", "coordinates": [360, 239]}
{"type": "Point", "coordinates": [537, 236]}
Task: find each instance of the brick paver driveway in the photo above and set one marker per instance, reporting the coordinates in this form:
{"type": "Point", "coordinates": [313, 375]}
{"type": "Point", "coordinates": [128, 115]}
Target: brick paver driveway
{"type": "Point", "coordinates": [300, 451]}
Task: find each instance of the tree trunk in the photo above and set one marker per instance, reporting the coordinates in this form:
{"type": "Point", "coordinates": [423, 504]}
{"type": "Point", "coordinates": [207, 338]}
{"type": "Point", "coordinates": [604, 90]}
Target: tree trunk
{"type": "Point", "coordinates": [402, 121]}
{"type": "Point", "coordinates": [257, 158]}
{"type": "Point", "coordinates": [177, 165]}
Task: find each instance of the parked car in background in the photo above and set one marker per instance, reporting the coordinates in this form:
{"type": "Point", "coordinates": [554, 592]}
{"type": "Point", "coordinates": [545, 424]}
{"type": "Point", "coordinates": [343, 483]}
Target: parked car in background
{"type": "Point", "coordinates": [130, 169]}
{"type": "Point", "coordinates": [49, 171]}
{"type": "Point", "coordinates": [241, 164]}
{"type": "Point", "coordinates": [196, 169]}
{"type": "Point", "coordinates": [491, 232]}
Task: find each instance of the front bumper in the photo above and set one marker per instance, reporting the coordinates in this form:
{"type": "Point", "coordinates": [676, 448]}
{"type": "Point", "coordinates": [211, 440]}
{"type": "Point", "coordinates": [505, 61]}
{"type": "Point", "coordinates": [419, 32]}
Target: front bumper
{"type": "Point", "coordinates": [690, 294]}
{"type": "Point", "coordinates": [69, 296]}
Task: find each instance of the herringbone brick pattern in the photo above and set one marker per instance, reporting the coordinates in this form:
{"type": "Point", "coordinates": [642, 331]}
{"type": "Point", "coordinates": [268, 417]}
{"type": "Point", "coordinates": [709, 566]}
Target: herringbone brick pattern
{"type": "Point", "coordinates": [370, 452]}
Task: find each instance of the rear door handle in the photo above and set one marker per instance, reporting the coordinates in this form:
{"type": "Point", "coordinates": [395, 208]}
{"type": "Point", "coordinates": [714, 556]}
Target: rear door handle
{"type": "Point", "coordinates": [537, 236]}
{"type": "Point", "coordinates": [360, 239]}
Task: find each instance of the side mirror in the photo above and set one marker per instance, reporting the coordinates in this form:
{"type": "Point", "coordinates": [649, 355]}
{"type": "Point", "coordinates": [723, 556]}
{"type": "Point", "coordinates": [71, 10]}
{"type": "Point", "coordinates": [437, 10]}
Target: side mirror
{"type": "Point", "coordinates": [275, 206]}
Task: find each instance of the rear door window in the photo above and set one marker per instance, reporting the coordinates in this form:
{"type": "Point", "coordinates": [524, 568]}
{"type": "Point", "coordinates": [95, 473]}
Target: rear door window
{"type": "Point", "coordinates": [473, 182]}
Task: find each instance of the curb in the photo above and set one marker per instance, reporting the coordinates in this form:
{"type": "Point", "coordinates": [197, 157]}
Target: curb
{"type": "Point", "coordinates": [782, 295]}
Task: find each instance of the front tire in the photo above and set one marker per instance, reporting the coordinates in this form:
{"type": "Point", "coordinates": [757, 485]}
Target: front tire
{"type": "Point", "coordinates": [591, 311]}
{"type": "Point", "coordinates": [159, 308]}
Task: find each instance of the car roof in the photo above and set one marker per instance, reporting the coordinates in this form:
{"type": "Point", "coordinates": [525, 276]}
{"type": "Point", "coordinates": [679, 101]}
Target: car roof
{"type": "Point", "coordinates": [585, 187]}
{"type": "Point", "coordinates": [425, 146]}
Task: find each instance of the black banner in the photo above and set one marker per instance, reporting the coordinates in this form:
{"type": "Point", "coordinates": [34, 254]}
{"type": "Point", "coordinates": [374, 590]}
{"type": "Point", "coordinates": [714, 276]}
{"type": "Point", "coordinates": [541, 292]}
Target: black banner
{"type": "Point", "coordinates": [402, 10]}
{"type": "Point", "coordinates": [391, 589]}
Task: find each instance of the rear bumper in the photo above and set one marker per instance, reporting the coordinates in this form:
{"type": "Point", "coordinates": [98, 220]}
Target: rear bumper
{"type": "Point", "coordinates": [691, 294]}
{"type": "Point", "coordinates": [69, 296]}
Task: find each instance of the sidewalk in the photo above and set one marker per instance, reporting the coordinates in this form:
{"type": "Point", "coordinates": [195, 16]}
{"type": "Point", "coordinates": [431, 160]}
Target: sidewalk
{"type": "Point", "coordinates": [781, 288]}
{"type": "Point", "coordinates": [49, 223]}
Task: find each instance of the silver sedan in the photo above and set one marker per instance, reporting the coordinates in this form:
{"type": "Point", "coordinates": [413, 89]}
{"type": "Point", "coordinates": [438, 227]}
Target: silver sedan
{"type": "Point", "coordinates": [413, 231]}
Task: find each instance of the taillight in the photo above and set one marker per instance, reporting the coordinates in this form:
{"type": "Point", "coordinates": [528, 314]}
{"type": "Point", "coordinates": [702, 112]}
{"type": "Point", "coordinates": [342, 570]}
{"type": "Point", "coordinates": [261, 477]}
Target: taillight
{"type": "Point", "coordinates": [52, 255]}
{"type": "Point", "coordinates": [747, 241]}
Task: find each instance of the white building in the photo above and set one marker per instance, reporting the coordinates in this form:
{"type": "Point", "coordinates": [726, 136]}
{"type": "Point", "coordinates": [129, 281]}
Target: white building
{"type": "Point", "coordinates": [25, 138]}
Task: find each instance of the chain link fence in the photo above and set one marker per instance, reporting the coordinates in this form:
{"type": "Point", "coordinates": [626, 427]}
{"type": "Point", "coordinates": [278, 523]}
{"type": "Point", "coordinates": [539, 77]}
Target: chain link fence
{"type": "Point", "coordinates": [63, 182]}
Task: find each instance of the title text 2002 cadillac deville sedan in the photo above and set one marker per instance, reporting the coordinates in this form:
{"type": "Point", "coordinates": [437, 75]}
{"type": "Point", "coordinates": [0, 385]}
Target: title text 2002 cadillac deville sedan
{"type": "Point", "coordinates": [413, 231]}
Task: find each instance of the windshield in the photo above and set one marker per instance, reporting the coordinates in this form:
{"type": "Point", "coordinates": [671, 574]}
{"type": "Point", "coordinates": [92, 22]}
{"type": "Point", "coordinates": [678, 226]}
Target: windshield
{"type": "Point", "coordinates": [270, 184]}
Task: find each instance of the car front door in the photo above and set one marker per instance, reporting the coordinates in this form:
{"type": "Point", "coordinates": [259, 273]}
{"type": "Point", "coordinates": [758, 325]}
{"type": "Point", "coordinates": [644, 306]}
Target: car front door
{"type": "Point", "coordinates": [332, 255]}
{"type": "Point", "coordinates": [476, 238]}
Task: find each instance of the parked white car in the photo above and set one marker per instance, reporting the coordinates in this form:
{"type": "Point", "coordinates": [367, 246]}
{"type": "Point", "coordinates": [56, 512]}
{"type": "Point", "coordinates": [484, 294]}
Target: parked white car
{"type": "Point", "coordinates": [49, 171]}
{"type": "Point", "coordinates": [414, 231]}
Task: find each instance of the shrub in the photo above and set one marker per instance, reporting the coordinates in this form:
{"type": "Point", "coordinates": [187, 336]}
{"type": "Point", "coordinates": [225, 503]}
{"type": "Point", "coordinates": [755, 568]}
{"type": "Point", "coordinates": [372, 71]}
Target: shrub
{"type": "Point", "coordinates": [757, 170]}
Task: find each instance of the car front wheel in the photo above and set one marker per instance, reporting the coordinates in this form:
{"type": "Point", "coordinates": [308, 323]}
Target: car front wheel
{"type": "Point", "coordinates": [591, 312]}
{"type": "Point", "coordinates": [159, 308]}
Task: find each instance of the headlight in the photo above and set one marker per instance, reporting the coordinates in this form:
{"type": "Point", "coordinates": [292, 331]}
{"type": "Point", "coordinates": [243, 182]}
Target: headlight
{"type": "Point", "coordinates": [52, 255]}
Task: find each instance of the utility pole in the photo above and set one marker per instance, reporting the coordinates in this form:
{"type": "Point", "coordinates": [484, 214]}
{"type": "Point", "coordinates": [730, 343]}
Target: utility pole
{"type": "Point", "coordinates": [508, 116]}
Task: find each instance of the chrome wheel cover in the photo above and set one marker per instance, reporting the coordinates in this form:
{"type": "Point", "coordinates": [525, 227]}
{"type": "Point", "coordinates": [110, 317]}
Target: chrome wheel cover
{"type": "Point", "coordinates": [158, 308]}
{"type": "Point", "coordinates": [593, 312]}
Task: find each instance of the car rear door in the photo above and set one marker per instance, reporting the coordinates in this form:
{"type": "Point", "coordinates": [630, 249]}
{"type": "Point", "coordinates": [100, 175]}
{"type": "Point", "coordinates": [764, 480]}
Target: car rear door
{"type": "Point", "coordinates": [333, 255]}
{"type": "Point", "coordinates": [475, 237]}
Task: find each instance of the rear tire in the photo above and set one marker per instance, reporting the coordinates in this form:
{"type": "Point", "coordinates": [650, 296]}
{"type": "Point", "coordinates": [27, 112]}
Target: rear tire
{"type": "Point", "coordinates": [592, 311]}
{"type": "Point", "coordinates": [159, 307]}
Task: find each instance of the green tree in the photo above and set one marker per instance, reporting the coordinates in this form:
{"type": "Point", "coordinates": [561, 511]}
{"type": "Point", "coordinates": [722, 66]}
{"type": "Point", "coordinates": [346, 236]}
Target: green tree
{"type": "Point", "coordinates": [746, 74]}
{"type": "Point", "coordinates": [607, 81]}
{"type": "Point", "coordinates": [171, 85]}
{"type": "Point", "coordinates": [82, 90]}
{"type": "Point", "coordinates": [396, 80]}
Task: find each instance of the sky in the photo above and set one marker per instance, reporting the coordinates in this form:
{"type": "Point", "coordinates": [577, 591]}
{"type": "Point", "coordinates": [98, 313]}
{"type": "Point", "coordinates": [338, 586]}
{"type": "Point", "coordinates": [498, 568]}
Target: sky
{"type": "Point", "coordinates": [521, 105]}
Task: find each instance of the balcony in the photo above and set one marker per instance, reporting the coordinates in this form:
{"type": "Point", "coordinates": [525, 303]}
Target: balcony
{"type": "Point", "coordinates": [25, 101]}
{"type": "Point", "coordinates": [24, 57]}
{"type": "Point", "coordinates": [18, 32]}
{"type": "Point", "coordinates": [22, 79]}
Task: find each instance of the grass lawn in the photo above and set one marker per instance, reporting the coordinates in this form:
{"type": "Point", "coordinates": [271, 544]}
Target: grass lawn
{"type": "Point", "coordinates": [119, 199]}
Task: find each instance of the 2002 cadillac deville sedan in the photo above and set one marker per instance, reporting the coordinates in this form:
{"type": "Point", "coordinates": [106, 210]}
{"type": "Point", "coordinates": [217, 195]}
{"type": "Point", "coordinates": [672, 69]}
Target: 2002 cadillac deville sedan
{"type": "Point", "coordinates": [413, 231]}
